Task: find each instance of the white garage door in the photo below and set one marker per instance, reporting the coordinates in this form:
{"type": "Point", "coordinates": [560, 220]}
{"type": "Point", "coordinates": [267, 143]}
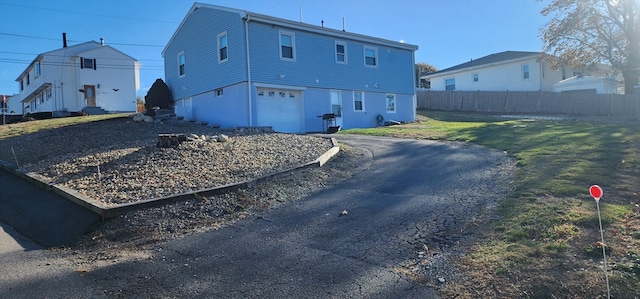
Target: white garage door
{"type": "Point", "coordinates": [280, 109]}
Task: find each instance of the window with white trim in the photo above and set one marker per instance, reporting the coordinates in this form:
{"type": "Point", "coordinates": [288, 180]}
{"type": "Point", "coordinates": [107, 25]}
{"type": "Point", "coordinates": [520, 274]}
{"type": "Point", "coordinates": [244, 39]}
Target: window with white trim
{"type": "Point", "coordinates": [181, 64]}
{"type": "Point", "coordinates": [341, 52]}
{"type": "Point", "coordinates": [525, 71]}
{"type": "Point", "coordinates": [336, 102]}
{"type": "Point", "coordinates": [358, 101]}
{"type": "Point", "coordinates": [450, 84]}
{"type": "Point", "coordinates": [391, 102]}
{"type": "Point", "coordinates": [476, 78]}
{"type": "Point", "coordinates": [48, 93]}
{"type": "Point", "coordinates": [87, 63]}
{"type": "Point", "coordinates": [287, 46]}
{"type": "Point", "coordinates": [371, 56]}
{"type": "Point", "coordinates": [38, 70]}
{"type": "Point", "coordinates": [28, 79]}
{"type": "Point", "coordinates": [223, 47]}
{"type": "Point", "coordinates": [219, 92]}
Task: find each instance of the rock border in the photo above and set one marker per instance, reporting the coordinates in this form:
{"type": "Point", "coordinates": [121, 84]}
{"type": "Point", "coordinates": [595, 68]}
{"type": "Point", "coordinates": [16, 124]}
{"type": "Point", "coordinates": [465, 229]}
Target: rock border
{"type": "Point", "coordinates": [99, 208]}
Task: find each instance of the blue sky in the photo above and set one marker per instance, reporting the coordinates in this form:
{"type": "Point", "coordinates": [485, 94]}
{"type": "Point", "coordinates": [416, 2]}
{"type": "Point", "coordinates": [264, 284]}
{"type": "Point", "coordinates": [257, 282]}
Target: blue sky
{"type": "Point", "coordinates": [448, 32]}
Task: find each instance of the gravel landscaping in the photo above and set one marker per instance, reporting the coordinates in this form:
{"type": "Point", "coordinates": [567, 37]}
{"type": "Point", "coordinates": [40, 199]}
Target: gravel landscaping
{"type": "Point", "coordinates": [118, 162]}
{"type": "Point", "coordinates": [132, 168]}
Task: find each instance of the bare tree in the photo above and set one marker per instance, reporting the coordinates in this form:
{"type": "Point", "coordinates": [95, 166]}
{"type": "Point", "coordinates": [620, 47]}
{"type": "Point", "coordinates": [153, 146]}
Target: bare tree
{"type": "Point", "coordinates": [589, 32]}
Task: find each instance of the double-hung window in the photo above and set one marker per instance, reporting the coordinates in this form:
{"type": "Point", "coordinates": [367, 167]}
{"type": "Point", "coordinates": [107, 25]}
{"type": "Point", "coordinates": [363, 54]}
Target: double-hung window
{"type": "Point", "coordinates": [370, 56]}
{"type": "Point", "coordinates": [476, 78]}
{"type": "Point", "coordinates": [358, 101]}
{"type": "Point", "coordinates": [287, 46]}
{"type": "Point", "coordinates": [525, 71]}
{"type": "Point", "coordinates": [181, 64]}
{"type": "Point", "coordinates": [341, 52]}
{"type": "Point", "coordinates": [223, 47]}
{"type": "Point", "coordinates": [38, 70]}
{"type": "Point", "coordinates": [450, 84]}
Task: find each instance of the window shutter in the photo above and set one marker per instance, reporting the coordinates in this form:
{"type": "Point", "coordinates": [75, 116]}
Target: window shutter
{"type": "Point", "coordinates": [94, 64]}
{"type": "Point", "coordinates": [81, 62]}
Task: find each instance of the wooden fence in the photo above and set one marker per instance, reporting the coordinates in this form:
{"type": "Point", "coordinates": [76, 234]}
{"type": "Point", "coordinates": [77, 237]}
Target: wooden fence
{"type": "Point", "coordinates": [621, 107]}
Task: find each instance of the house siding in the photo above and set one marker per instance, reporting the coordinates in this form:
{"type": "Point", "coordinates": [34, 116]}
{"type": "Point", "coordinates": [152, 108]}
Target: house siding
{"type": "Point", "coordinates": [62, 75]}
{"type": "Point", "coordinates": [228, 110]}
{"type": "Point", "coordinates": [315, 65]}
{"type": "Point", "coordinates": [318, 102]}
{"type": "Point", "coordinates": [198, 38]}
{"type": "Point", "coordinates": [113, 71]}
{"type": "Point", "coordinates": [312, 73]}
{"type": "Point", "coordinates": [501, 76]}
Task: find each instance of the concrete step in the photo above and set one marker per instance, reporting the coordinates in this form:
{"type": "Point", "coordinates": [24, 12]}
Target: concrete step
{"type": "Point", "coordinates": [94, 110]}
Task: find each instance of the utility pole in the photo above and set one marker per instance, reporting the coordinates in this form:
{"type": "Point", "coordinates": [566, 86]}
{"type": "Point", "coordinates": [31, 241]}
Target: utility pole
{"type": "Point", "coordinates": [4, 109]}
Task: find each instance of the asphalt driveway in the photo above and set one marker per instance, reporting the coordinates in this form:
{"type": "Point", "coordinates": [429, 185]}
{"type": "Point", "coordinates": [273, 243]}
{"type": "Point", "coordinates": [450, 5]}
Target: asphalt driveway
{"type": "Point", "coordinates": [46, 218]}
{"type": "Point", "coordinates": [414, 193]}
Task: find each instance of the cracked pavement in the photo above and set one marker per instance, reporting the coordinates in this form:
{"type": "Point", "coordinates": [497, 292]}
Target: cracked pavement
{"type": "Point", "coordinates": [412, 194]}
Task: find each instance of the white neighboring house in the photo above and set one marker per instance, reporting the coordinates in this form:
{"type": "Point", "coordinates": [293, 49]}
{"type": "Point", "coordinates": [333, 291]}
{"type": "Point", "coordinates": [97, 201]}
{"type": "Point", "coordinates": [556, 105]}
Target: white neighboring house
{"type": "Point", "coordinates": [509, 70]}
{"type": "Point", "coordinates": [90, 77]}
{"type": "Point", "coordinates": [13, 104]}
{"type": "Point", "coordinates": [592, 84]}
{"type": "Point", "coordinates": [522, 71]}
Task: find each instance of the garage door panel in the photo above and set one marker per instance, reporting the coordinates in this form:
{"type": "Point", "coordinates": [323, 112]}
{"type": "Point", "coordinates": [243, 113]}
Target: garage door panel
{"type": "Point", "coordinates": [280, 109]}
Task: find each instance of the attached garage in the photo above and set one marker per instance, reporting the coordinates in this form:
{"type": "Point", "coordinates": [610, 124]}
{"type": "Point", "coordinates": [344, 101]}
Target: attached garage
{"type": "Point", "coordinates": [281, 109]}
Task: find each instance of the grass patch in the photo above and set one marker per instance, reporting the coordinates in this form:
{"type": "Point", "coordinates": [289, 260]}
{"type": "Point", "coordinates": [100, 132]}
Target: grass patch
{"type": "Point", "coordinates": [550, 215]}
{"type": "Point", "coordinates": [24, 128]}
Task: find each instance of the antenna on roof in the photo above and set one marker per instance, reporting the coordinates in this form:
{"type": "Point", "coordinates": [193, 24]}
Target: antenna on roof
{"type": "Point", "coordinates": [300, 14]}
{"type": "Point", "coordinates": [343, 27]}
{"type": "Point", "coordinates": [322, 22]}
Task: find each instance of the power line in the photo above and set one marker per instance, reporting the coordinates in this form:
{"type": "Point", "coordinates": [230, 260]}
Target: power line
{"type": "Point", "coordinates": [27, 36]}
{"type": "Point", "coordinates": [76, 41]}
{"type": "Point", "coordinates": [63, 64]}
{"type": "Point", "coordinates": [54, 55]}
{"type": "Point", "coordinates": [87, 14]}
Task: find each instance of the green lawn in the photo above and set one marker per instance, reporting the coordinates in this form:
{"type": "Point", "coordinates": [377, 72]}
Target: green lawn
{"type": "Point", "coordinates": [24, 128]}
{"type": "Point", "coordinates": [549, 225]}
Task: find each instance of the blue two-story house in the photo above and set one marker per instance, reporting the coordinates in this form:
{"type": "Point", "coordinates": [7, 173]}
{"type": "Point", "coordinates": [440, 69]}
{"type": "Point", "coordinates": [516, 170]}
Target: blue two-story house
{"type": "Point", "coordinates": [237, 68]}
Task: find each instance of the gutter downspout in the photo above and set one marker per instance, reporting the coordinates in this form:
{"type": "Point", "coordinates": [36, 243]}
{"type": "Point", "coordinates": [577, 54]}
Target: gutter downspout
{"type": "Point", "coordinates": [415, 88]}
{"type": "Point", "coordinates": [249, 89]}
{"type": "Point", "coordinates": [541, 71]}
{"type": "Point", "coordinates": [76, 82]}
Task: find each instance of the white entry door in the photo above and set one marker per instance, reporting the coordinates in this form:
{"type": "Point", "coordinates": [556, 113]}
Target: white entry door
{"type": "Point", "coordinates": [336, 106]}
{"type": "Point", "coordinates": [280, 109]}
